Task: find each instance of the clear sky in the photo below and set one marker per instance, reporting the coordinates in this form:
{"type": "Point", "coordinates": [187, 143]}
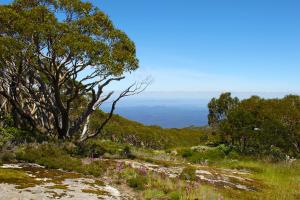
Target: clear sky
{"type": "Point", "coordinates": [212, 45]}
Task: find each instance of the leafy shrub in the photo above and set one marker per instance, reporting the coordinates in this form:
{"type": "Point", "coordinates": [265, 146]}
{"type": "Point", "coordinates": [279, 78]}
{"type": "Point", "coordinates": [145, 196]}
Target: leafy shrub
{"type": "Point", "coordinates": [187, 153]}
{"type": "Point", "coordinates": [154, 194]}
{"type": "Point", "coordinates": [54, 156]}
{"type": "Point", "coordinates": [91, 148]}
{"type": "Point", "coordinates": [127, 153]}
{"type": "Point", "coordinates": [224, 148]}
{"type": "Point", "coordinates": [133, 178]}
{"type": "Point", "coordinates": [276, 154]}
{"type": "Point", "coordinates": [96, 168]}
{"type": "Point", "coordinates": [175, 195]}
{"type": "Point", "coordinates": [6, 156]}
{"type": "Point", "coordinates": [204, 138]}
{"type": "Point", "coordinates": [48, 155]}
{"type": "Point", "coordinates": [6, 136]}
{"type": "Point", "coordinates": [233, 154]}
{"type": "Point", "coordinates": [137, 182]}
{"type": "Point", "coordinates": [96, 148]}
{"type": "Point", "coordinates": [188, 173]}
{"type": "Point", "coordinates": [18, 136]}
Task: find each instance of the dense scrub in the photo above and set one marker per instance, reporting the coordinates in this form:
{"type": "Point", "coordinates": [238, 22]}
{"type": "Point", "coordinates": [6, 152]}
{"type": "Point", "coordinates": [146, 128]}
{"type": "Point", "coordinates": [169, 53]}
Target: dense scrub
{"type": "Point", "coordinates": [126, 131]}
{"type": "Point", "coordinates": [258, 126]}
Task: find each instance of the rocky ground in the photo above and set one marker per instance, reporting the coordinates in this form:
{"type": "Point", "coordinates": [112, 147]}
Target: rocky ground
{"type": "Point", "coordinates": [227, 178]}
{"type": "Point", "coordinates": [57, 184]}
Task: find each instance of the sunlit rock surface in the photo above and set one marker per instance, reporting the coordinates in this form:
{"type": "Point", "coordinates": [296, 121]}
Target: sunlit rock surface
{"type": "Point", "coordinates": [56, 184]}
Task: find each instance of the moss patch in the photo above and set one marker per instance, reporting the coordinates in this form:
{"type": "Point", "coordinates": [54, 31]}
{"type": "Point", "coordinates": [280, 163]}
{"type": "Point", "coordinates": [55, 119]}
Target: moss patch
{"type": "Point", "coordinates": [52, 175]}
{"type": "Point", "coordinates": [18, 178]}
{"type": "Point", "coordinates": [95, 183]}
{"type": "Point", "coordinates": [58, 186]}
{"type": "Point", "coordinates": [97, 192]}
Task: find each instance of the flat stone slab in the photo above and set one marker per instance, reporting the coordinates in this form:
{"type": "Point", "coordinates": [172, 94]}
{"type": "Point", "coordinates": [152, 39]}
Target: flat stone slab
{"type": "Point", "coordinates": [70, 188]}
{"type": "Point", "coordinates": [227, 178]}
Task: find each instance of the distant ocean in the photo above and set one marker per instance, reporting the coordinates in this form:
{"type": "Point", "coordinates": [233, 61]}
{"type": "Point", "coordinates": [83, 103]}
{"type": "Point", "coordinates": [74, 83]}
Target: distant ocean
{"type": "Point", "coordinates": [173, 110]}
{"type": "Point", "coordinates": [167, 113]}
{"type": "Point", "coordinates": [165, 116]}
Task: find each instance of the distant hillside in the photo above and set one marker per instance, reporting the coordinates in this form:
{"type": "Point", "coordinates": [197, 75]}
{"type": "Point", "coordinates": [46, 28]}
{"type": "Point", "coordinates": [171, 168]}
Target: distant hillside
{"type": "Point", "coordinates": [123, 130]}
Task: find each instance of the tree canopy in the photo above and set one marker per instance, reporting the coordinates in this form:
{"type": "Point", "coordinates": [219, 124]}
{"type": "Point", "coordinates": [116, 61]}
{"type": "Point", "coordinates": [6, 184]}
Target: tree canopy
{"type": "Point", "coordinates": [57, 57]}
{"type": "Point", "coordinates": [260, 125]}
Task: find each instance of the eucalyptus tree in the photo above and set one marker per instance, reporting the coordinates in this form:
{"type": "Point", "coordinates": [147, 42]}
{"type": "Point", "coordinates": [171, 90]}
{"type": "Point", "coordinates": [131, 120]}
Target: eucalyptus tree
{"type": "Point", "coordinates": [55, 54]}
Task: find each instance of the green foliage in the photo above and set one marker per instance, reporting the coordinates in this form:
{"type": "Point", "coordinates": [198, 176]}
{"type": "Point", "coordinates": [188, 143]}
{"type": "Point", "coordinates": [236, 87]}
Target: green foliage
{"type": "Point", "coordinates": [6, 120]}
{"type": "Point", "coordinates": [126, 153]}
{"type": "Point", "coordinates": [54, 156]}
{"type": "Point", "coordinates": [188, 173]}
{"type": "Point", "coordinates": [134, 179]}
{"type": "Point", "coordinates": [91, 148]}
{"type": "Point", "coordinates": [96, 168]}
{"type": "Point", "coordinates": [122, 130]}
{"type": "Point", "coordinates": [11, 136]}
{"type": "Point", "coordinates": [256, 125]}
{"type": "Point", "coordinates": [187, 153]}
{"type": "Point", "coordinates": [48, 155]}
{"type": "Point", "coordinates": [175, 195]}
{"type": "Point", "coordinates": [7, 156]}
{"type": "Point", "coordinates": [199, 154]}
{"type": "Point", "coordinates": [276, 154]}
{"type": "Point", "coordinates": [97, 148]}
{"type": "Point", "coordinates": [69, 48]}
{"type": "Point", "coordinates": [153, 194]}
{"type": "Point", "coordinates": [219, 108]}
{"type": "Point", "coordinates": [6, 135]}
{"type": "Point", "coordinates": [138, 182]}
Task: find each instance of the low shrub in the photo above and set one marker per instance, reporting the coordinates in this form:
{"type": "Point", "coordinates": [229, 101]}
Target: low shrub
{"type": "Point", "coordinates": [97, 148]}
{"type": "Point", "coordinates": [154, 194]}
{"type": "Point", "coordinates": [276, 154]}
{"type": "Point", "coordinates": [224, 148]}
{"type": "Point", "coordinates": [126, 153]}
{"type": "Point", "coordinates": [134, 178]}
{"type": "Point", "coordinates": [6, 136]}
{"type": "Point", "coordinates": [233, 155]}
{"type": "Point", "coordinates": [187, 153]}
{"type": "Point", "coordinates": [48, 155]}
{"type": "Point", "coordinates": [7, 156]}
{"type": "Point", "coordinates": [188, 173]}
{"type": "Point", "coordinates": [138, 182]}
{"type": "Point", "coordinates": [175, 195]}
{"type": "Point", "coordinates": [96, 168]}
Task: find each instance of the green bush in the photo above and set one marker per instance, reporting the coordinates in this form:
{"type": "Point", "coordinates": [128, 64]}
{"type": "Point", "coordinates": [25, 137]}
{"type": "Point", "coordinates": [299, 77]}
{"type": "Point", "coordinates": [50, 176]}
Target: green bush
{"type": "Point", "coordinates": [7, 156]}
{"type": "Point", "coordinates": [154, 194]}
{"type": "Point", "coordinates": [138, 182]}
{"type": "Point", "coordinates": [224, 148]}
{"type": "Point", "coordinates": [187, 153]}
{"type": "Point", "coordinates": [210, 155]}
{"type": "Point", "coordinates": [233, 154]}
{"type": "Point", "coordinates": [48, 155]}
{"type": "Point", "coordinates": [175, 195]}
{"type": "Point", "coordinates": [6, 136]}
{"type": "Point", "coordinates": [54, 156]}
{"type": "Point", "coordinates": [188, 173]}
{"type": "Point", "coordinates": [276, 154]}
{"type": "Point", "coordinates": [96, 168]}
{"type": "Point", "coordinates": [14, 135]}
{"type": "Point", "coordinates": [126, 153]}
{"type": "Point", "coordinates": [96, 148]}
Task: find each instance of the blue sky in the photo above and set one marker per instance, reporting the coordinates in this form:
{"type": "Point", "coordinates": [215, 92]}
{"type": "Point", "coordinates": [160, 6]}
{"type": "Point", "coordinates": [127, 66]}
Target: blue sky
{"type": "Point", "coordinates": [212, 45]}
